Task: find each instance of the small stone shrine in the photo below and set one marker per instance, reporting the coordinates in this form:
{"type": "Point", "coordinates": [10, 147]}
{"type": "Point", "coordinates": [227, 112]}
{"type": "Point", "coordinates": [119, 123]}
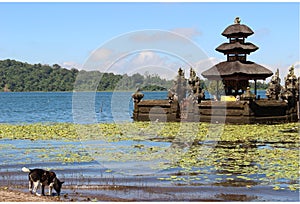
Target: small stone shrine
{"type": "Point", "coordinates": [186, 100]}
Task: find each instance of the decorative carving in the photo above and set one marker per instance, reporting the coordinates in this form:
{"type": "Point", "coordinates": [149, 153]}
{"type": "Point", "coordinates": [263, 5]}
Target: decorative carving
{"type": "Point", "coordinates": [247, 95]}
{"type": "Point", "coordinates": [196, 94]}
{"type": "Point", "coordinates": [274, 88]}
{"type": "Point", "coordinates": [237, 20]}
{"type": "Point", "coordinates": [179, 87]}
{"type": "Point", "coordinates": [172, 95]}
{"type": "Point", "coordinates": [137, 96]}
{"type": "Point", "coordinates": [290, 92]}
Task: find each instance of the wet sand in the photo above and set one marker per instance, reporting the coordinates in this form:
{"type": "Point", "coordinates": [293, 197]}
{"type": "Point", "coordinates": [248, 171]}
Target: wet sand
{"type": "Point", "coordinates": [18, 196]}
{"type": "Point", "coordinates": [18, 191]}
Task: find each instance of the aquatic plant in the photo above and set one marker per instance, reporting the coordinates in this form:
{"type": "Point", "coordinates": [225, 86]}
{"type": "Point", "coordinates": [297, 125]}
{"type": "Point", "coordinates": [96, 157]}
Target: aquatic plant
{"type": "Point", "coordinates": [244, 155]}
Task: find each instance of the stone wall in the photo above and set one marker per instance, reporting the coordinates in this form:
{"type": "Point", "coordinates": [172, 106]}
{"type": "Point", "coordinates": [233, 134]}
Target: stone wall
{"type": "Point", "coordinates": [156, 110]}
{"type": "Point", "coordinates": [236, 112]}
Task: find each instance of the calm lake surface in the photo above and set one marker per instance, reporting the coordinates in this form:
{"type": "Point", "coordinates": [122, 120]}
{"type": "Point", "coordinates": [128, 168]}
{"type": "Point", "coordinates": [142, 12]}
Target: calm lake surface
{"type": "Point", "coordinates": [81, 107]}
{"type": "Point", "coordinates": [34, 107]}
{"type": "Point", "coordinates": [123, 169]}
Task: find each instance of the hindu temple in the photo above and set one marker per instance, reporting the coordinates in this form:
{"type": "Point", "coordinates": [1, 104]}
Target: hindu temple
{"type": "Point", "coordinates": [186, 100]}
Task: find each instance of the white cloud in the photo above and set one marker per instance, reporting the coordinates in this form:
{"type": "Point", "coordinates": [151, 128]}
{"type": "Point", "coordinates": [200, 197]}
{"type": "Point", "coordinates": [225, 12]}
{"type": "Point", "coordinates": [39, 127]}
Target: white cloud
{"type": "Point", "coordinates": [101, 60]}
{"type": "Point", "coordinates": [148, 61]}
{"type": "Point", "coordinates": [187, 32]}
{"type": "Point", "coordinates": [149, 36]}
{"type": "Point", "coordinates": [205, 64]}
{"type": "Point", "coordinates": [101, 54]}
{"type": "Point", "coordinates": [146, 48]}
{"type": "Point", "coordinates": [261, 33]}
{"type": "Point", "coordinates": [153, 62]}
{"type": "Point", "coordinates": [146, 58]}
{"type": "Point", "coordinates": [283, 70]}
{"type": "Point", "coordinates": [71, 64]}
{"type": "Point", "coordinates": [155, 36]}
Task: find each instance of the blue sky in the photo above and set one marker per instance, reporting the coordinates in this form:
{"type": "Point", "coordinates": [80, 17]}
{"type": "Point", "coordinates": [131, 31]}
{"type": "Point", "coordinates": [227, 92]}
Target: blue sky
{"type": "Point", "coordinates": [67, 33]}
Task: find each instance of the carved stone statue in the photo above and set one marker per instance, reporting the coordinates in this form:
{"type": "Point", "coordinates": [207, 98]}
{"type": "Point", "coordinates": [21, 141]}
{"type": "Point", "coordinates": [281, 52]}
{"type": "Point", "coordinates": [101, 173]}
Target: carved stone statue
{"type": "Point", "coordinates": [180, 88]}
{"type": "Point", "coordinates": [274, 88]}
{"type": "Point", "coordinates": [192, 76]}
{"type": "Point", "coordinates": [180, 85]}
{"type": "Point", "coordinates": [248, 95]}
{"type": "Point", "coordinates": [196, 93]}
{"type": "Point", "coordinates": [137, 96]}
{"type": "Point", "coordinates": [290, 92]}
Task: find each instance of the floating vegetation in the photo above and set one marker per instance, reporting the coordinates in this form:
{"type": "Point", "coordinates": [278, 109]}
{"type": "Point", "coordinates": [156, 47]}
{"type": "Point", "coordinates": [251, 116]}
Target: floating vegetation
{"type": "Point", "coordinates": [240, 155]}
{"type": "Point", "coordinates": [147, 130]}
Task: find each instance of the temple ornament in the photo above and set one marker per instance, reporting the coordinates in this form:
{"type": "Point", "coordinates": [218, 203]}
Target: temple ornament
{"type": "Point", "coordinates": [237, 20]}
{"type": "Point", "coordinates": [290, 92]}
{"type": "Point", "coordinates": [274, 88]}
{"type": "Point", "coordinates": [137, 96]}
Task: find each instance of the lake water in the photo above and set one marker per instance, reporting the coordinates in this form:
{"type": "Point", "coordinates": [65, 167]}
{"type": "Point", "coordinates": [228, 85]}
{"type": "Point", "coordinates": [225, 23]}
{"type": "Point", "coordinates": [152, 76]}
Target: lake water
{"type": "Point", "coordinates": [33, 107]}
{"type": "Point", "coordinates": [124, 169]}
{"type": "Point", "coordinates": [81, 107]}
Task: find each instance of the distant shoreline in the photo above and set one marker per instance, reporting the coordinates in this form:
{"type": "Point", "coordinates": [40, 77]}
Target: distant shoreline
{"type": "Point", "coordinates": [73, 91]}
{"type": "Point", "coordinates": [89, 91]}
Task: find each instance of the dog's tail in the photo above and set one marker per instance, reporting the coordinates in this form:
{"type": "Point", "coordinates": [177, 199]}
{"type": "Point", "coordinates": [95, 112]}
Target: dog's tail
{"type": "Point", "coordinates": [24, 169]}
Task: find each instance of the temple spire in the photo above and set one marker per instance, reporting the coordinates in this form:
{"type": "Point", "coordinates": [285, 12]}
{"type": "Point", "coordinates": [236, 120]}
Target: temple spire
{"type": "Point", "coordinates": [237, 20]}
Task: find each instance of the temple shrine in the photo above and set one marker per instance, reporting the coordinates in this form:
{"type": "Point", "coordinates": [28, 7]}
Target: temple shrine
{"type": "Point", "coordinates": [186, 101]}
{"type": "Point", "coordinates": [236, 72]}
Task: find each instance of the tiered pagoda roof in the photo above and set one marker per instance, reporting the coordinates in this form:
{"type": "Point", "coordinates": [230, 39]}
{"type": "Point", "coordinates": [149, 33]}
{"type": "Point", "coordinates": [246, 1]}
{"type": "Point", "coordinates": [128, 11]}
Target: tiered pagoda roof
{"type": "Point", "coordinates": [237, 70]}
{"type": "Point", "coordinates": [237, 30]}
{"type": "Point", "coordinates": [237, 67]}
{"type": "Point", "coordinates": [236, 48]}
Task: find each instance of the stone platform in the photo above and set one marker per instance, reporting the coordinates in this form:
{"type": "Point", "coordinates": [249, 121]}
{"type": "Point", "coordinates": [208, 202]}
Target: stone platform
{"type": "Point", "coordinates": [236, 112]}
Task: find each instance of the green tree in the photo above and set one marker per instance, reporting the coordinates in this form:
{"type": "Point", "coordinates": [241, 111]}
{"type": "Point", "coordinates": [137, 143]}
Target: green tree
{"type": "Point", "coordinates": [19, 76]}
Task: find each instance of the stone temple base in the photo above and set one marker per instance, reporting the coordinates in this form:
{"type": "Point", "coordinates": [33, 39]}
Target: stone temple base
{"type": "Point", "coordinates": [234, 112]}
{"type": "Point", "coordinates": [156, 110]}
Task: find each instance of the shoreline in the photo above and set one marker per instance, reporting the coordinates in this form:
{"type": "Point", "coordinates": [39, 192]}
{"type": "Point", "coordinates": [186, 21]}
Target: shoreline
{"type": "Point", "coordinates": [108, 91]}
{"type": "Point", "coordinates": [9, 195]}
{"type": "Point", "coordinates": [120, 193]}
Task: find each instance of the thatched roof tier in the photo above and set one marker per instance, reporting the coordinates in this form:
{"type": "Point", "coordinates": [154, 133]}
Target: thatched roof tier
{"type": "Point", "coordinates": [237, 48]}
{"type": "Point", "coordinates": [237, 31]}
{"type": "Point", "coordinates": [237, 70]}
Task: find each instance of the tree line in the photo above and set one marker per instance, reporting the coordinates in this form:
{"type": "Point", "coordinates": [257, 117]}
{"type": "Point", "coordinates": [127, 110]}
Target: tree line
{"type": "Point", "coordinates": [18, 76]}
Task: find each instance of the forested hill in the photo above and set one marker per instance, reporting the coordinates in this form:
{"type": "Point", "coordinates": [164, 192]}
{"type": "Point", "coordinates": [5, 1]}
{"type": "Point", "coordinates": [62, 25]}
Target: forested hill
{"type": "Point", "coordinates": [18, 76]}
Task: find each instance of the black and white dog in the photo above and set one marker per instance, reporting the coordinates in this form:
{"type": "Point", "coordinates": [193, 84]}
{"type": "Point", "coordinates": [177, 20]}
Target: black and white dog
{"type": "Point", "coordinates": [44, 178]}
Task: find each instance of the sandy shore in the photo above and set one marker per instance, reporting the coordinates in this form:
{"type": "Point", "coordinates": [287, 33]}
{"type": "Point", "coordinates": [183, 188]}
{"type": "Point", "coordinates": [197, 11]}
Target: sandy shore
{"type": "Point", "coordinates": [134, 193]}
{"type": "Point", "coordinates": [16, 196]}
